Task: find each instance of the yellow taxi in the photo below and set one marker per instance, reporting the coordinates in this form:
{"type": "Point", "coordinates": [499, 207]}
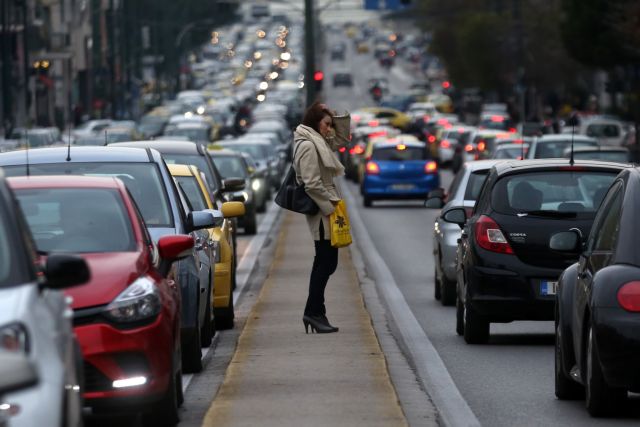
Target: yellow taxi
{"type": "Point", "coordinates": [396, 118]}
{"type": "Point", "coordinates": [189, 179]}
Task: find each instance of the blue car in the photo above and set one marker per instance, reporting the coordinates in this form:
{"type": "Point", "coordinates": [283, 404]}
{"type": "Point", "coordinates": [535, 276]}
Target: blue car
{"type": "Point", "coordinates": [399, 170]}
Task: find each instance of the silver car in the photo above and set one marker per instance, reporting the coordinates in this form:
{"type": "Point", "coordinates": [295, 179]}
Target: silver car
{"type": "Point", "coordinates": [35, 322]}
{"type": "Point", "coordinates": [463, 192]}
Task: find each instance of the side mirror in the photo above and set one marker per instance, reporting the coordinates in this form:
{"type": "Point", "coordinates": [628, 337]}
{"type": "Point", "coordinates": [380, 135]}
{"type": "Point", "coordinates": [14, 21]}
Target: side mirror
{"type": "Point", "coordinates": [434, 203]}
{"type": "Point", "coordinates": [232, 209]}
{"type": "Point", "coordinates": [65, 271]}
{"type": "Point", "coordinates": [455, 216]}
{"type": "Point", "coordinates": [207, 218]}
{"type": "Point", "coordinates": [173, 248]}
{"type": "Point", "coordinates": [233, 184]}
{"type": "Point", "coordinates": [16, 372]}
{"type": "Point", "coordinates": [565, 241]}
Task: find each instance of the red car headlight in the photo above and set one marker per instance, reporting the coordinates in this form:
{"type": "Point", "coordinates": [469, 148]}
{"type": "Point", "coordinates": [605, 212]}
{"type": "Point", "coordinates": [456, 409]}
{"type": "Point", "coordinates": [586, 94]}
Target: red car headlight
{"type": "Point", "coordinates": [140, 301]}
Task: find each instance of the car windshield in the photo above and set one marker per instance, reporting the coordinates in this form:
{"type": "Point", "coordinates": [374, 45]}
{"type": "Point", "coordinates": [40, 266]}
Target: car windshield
{"type": "Point", "coordinates": [551, 149]}
{"type": "Point", "coordinates": [474, 185]}
{"type": "Point", "coordinates": [58, 224]}
{"type": "Point", "coordinates": [399, 154]}
{"type": "Point", "coordinates": [191, 188]}
{"type": "Point", "coordinates": [570, 193]}
{"type": "Point", "coordinates": [194, 160]}
{"type": "Point", "coordinates": [230, 167]}
{"type": "Point", "coordinates": [142, 179]}
{"type": "Point", "coordinates": [607, 156]}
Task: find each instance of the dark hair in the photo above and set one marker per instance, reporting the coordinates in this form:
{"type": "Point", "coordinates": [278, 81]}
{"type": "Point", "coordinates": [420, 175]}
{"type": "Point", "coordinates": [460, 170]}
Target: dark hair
{"type": "Point", "coordinates": [314, 114]}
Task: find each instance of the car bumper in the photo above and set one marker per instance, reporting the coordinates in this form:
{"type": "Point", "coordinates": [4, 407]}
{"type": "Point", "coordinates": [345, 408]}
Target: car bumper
{"type": "Point", "coordinates": [617, 334]}
{"type": "Point", "coordinates": [504, 289]}
{"type": "Point", "coordinates": [112, 354]}
{"type": "Point", "coordinates": [375, 186]}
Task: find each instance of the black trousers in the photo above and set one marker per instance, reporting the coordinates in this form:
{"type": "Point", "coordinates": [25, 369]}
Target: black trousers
{"type": "Point", "coordinates": [324, 265]}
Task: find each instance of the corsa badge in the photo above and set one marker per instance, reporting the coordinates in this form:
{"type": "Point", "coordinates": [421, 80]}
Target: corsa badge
{"type": "Point", "coordinates": [518, 237]}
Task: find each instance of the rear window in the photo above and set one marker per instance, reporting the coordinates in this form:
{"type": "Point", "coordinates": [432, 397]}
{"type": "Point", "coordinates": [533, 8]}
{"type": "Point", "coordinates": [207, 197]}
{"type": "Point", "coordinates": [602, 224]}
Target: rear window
{"type": "Point", "coordinates": [568, 194]}
{"type": "Point", "coordinates": [474, 185]}
{"type": "Point", "coordinates": [230, 166]}
{"type": "Point", "coordinates": [58, 225]}
{"type": "Point", "coordinates": [555, 149]}
{"type": "Point", "coordinates": [514, 153]}
{"type": "Point", "coordinates": [603, 131]}
{"type": "Point", "coordinates": [142, 179]}
{"type": "Point", "coordinates": [397, 154]}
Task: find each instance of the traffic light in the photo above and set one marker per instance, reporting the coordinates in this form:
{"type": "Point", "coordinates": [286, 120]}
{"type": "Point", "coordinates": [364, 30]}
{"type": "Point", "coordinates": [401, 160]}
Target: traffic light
{"type": "Point", "coordinates": [318, 78]}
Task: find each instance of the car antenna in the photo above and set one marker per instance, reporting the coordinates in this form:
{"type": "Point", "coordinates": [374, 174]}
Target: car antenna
{"type": "Point", "coordinates": [26, 140]}
{"type": "Point", "coordinates": [69, 145]}
{"type": "Point", "coordinates": [573, 131]}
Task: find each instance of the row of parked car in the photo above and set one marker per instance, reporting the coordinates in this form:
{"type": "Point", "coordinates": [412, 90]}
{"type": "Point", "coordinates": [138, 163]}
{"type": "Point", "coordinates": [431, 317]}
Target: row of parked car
{"type": "Point", "coordinates": [554, 240]}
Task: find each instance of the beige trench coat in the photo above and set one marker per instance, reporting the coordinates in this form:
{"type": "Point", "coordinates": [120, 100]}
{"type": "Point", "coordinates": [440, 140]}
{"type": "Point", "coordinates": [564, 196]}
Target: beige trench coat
{"type": "Point", "coordinates": [318, 183]}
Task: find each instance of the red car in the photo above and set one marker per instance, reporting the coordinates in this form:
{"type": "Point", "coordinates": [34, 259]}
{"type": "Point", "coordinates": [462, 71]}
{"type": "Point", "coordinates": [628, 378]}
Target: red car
{"type": "Point", "coordinates": [127, 317]}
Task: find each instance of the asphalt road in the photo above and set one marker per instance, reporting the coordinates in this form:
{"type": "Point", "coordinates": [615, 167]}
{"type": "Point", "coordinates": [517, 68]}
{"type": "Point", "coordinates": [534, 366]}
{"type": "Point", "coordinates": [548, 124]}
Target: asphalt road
{"type": "Point", "coordinates": [506, 382]}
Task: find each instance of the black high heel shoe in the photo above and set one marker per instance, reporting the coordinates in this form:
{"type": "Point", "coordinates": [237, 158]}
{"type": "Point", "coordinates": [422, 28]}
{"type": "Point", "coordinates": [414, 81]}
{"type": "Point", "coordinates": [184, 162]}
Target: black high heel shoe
{"type": "Point", "coordinates": [318, 325]}
{"type": "Point", "coordinates": [326, 321]}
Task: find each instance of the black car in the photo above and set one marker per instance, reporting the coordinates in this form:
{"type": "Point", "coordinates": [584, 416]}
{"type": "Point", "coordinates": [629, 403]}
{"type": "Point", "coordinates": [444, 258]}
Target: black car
{"type": "Point", "coordinates": [505, 271]}
{"type": "Point", "coordinates": [231, 164]}
{"type": "Point", "coordinates": [598, 303]}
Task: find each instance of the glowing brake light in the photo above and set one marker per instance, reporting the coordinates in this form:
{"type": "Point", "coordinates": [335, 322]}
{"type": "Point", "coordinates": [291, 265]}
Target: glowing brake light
{"type": "Point", "coordinates": [342, 149]}
{"type": "Point", "coordinates": [445, 143]}
{"type": "Point", "coordinates": [377, 134]}
{"type": "Point", "coordinates": [431, 139]}
{"type": "Point", "coordinates": [468, 148]}
{"type": "Point", "coordinates": [374, 123]}
{"type": "Point", "coordinates": [497, 119]}
{"type": "Point", "coordinates": [401, 147]}
{"type": "Point", "coordinates": [443, 122]}
{"type": "Point", "coordinates": [481, 146]}
{"type": "Point", "coordinates": [490, 237]}
{"type": "Point", "coordinates": [356, 150]}
{"type": "Point", "coordinates": [426, 117]}
{"type": "Point", "coordinates": [512, 130]}
{"type": "Point", "coordinates": [431, 167]}
{"type": "Point", "coordinates": [372, 168]}
{"type": "Point", "coordinates": [355, 118]}
{"type": "Point", "coordinates": [629, 296]}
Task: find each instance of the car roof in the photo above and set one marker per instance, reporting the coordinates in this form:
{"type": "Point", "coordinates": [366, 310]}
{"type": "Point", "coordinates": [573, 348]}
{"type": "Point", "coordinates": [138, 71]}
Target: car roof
{"type": "Point", "coordinates": [180, 170]}
{"type": "Point", "coordinates": [163, 146]}
{"type": "Point", "coordinates": [389, 144]}
{"type": "Point", "coordinates": [482, 164]}
{"type": "Point", "coordinates": [564, 137]}
{"type": "Point", "coordinates": [228, 151]}
{"type": "Point", "coordinates": [80, 154]}
{"type": "Point", "coordinates": [515, 166]}
{"type": "Point", "coordinates": [64, 181]}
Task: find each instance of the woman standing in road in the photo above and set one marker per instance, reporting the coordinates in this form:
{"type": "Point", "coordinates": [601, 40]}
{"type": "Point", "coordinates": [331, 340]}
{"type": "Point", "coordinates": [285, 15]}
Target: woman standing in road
{"type": "Point", "coordinates": [316, 166]}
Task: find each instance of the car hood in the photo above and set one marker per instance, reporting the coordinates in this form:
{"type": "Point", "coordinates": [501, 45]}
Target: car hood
{"type": "Point", "coordinates": [111, 273]}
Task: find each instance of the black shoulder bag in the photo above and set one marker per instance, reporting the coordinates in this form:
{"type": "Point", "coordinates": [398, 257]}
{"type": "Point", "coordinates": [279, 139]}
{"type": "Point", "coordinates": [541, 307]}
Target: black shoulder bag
{"type": "Point", "coordinates": [292, 196]}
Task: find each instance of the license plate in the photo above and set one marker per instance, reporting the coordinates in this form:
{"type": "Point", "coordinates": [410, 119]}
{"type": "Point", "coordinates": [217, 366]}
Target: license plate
{"type": "Point", "coordinates": [402, 187]}
{"type": "Point", "coordinates": [548, 288]}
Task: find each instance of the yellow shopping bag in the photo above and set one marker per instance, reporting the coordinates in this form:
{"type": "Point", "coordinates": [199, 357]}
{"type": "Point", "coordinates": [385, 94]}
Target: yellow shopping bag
{"type": "Point", "coordinates": [340, 227]}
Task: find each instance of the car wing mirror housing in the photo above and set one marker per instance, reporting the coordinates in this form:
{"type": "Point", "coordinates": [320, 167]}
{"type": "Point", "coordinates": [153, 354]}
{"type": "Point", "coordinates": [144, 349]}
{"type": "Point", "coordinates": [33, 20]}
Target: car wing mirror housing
{"type": "Point", "coordinates": [173, 248]}
{"type": "Point", "coordinates": [207, 218]}
{"type": "Point", "coordinates": [233, 184]}
{"type": "Point", "coordinates": [455, 216]}
{"type": "Point", "coordinates": [233, 209]}
{"type": "Point", "coordinates": [566, 241]}
{"type": "Point", "coordinates": [65, 271]}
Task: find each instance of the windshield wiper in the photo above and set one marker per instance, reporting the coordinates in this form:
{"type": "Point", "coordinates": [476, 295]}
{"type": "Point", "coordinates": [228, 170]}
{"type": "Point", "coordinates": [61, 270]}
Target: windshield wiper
{"type": "Point", "coordinates": [549, 214]}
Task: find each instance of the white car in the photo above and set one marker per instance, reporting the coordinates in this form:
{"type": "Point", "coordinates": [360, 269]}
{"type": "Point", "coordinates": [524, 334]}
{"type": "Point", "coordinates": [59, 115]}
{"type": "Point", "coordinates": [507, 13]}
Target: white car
{"type": "Point", "coordinates": [554, 146]}
{"type": "Point", "coordinates": [91, 127]}
{"type": "Point", "coordinates": [35, 322]}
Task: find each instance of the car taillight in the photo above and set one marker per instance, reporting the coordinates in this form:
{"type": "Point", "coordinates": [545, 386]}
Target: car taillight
{"type": "Point", "coordinates": [431, 167]}
{"type": "Point", "coordinates": [356, 150]}
{"type": "Point", "coordinates": [490, 237]}
{"type": "Point", "coordinates": [374, 123]}
{"type": "Point", "coordinates": [431, 139]}
{"type": "Point", "coordinates": [468, 148]}
{"type": "Point", "coordinates": [342, 149]}
{"type": "Point", "coordinates": [481, 146]}
{"type": "Point", "coordinates": [629, 296]}
{"type": "Point", "coordinates": [445, 143]}
{"type": "Point", "coordinates": [372, 168]}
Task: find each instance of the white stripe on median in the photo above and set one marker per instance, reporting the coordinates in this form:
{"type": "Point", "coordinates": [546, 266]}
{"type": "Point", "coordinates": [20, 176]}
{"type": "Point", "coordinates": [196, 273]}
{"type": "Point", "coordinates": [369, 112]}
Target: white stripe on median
{"type": "Point", "coordinates": [432, 372]}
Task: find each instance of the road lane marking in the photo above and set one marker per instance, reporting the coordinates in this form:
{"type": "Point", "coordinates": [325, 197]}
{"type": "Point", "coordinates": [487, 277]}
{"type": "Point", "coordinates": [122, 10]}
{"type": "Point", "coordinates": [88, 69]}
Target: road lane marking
{"type": "Point", "coordinates": [431, 370]}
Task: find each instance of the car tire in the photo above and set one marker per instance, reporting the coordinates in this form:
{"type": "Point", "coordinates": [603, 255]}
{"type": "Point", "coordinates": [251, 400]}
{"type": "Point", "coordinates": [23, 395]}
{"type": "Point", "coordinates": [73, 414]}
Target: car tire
{"type": "Point", "coordinates": [447, 291]}
{"type": "Point", "coordinates": [476, 327]}
{"type": "Point", "coordinates": [459, 317]}
{"type": "Point", "coordinates": [601, 399]}
{"type": "Point", "coordinates": [225, 316]}
{"type": "Point", "coordinates": [367, 201]}
{"type": "Point", "coordinates": [207, 330]}
{"type": "Point", "coordinates": [436, 284]}
{"type": "Point", "coordinates": [251, 224]}
{"type": "Point", "coordinates": [164, 413]}
{"type": "Point", "coordinates": [566, 388]}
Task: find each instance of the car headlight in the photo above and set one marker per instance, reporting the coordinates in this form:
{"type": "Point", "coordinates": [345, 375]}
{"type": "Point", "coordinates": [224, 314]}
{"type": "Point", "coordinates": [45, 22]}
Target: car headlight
{"type": "Point", "coordinates": [255, 184]}
{"type": "Point", "coordinates": [140, 301]}
{"type": "Point", "coordinates": [14, 338]}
